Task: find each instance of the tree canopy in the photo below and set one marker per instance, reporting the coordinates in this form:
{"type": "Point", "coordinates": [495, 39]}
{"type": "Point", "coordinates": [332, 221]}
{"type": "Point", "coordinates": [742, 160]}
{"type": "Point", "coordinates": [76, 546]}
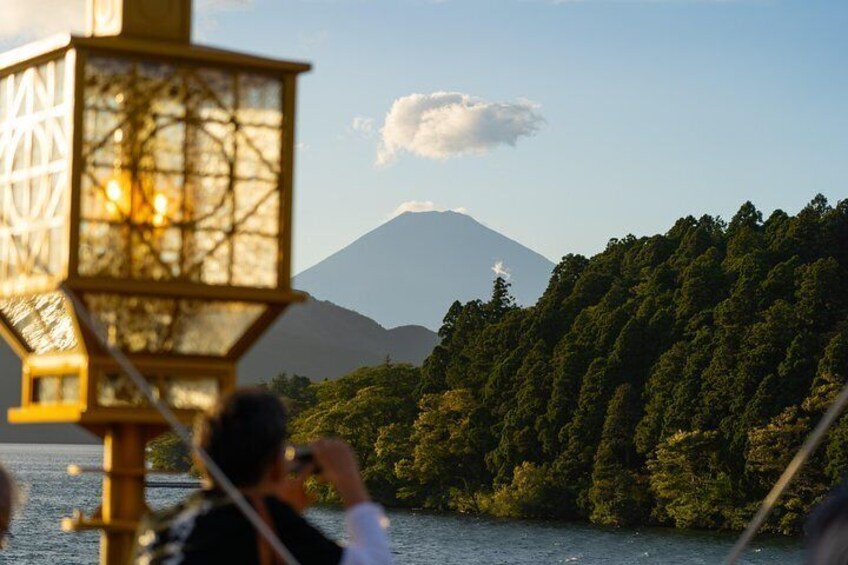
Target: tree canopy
{"type": "Point", "coordinates": [665, 380]}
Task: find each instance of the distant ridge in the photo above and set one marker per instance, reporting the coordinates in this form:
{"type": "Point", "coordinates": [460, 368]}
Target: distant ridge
{"type": "Point", "coordinates": [321, 340]}
{"type": "Point", "coordinates": [317, 339]}
{"type": "Point", "coordinates": [412, 268]}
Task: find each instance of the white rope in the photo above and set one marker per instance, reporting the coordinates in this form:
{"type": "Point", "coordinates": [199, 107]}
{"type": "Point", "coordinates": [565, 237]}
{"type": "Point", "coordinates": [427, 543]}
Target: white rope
{"type": "Point", "coordinates": [214, 471]}
{"type": "Point", "coordinates": [804, 453]}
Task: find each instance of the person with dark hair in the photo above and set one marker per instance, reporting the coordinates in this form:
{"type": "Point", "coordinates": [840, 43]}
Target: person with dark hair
{"type": "Point", "coordinates": [7, 503]}
{"type": "Point", "coordinates": [245, 435]}
{"type": "Point", "coordinates": [827, 530]}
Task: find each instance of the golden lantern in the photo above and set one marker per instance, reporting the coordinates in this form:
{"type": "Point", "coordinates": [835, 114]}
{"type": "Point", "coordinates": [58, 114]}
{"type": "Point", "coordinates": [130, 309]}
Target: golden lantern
{"type": "Point", "coordinates": [153, 178]}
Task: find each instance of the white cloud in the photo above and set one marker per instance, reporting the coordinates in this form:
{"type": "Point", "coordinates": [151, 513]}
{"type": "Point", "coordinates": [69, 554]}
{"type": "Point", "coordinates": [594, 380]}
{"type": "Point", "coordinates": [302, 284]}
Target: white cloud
{"type": "Point", "coordinates": [30, 19]}
{"type": "Point", "coordinates": [415, 206]}
{"type": "Point", "coordinates": [363, 126]}
{"type": "Point", "coordinates": [501, 270]}
{"type": "Point", "coordinates": [449, 124]}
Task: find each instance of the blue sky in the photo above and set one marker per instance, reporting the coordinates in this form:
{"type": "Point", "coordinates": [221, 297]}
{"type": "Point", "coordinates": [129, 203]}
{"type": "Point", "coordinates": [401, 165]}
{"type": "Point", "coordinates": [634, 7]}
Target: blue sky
{"type": "Point", "coordinates": [624, 114]}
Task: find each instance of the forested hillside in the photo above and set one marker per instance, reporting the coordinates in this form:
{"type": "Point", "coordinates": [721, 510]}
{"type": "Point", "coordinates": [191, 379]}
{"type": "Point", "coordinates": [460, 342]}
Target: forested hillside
{"type": "Point", "coordinates": [666, 380]}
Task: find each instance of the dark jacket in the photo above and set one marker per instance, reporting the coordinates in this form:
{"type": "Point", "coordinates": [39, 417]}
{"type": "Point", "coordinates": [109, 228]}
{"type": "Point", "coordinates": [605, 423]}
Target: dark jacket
{"type": "Point", "coordinates": [208, 528]}
{"type": "Point", "coordinates": [827, 531]}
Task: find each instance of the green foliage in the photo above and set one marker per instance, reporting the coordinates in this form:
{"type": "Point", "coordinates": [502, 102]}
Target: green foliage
{"type": "Point", "coordinates": [619, 493]}
{"type": "Point", "coordinates": [532, 493]}
{"type": "Point", "coordinates": [445, 460]}
{"type": "Point", "coordinates": [770, 449]}
{"type": "Point", "coordinates": [666, 380]}
{"type": "Point", "coordinates": [168, 453]}
{"type": "Point", "coordinates": [373, 409]}
{"type": "Point", "coordinates": [692, 488]}
{"type": "Point", "coordinates": [295, 390]}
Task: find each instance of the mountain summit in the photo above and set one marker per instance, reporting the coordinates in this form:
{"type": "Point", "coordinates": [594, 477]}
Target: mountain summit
{"type": "Point", "coordinates": [412, 268]}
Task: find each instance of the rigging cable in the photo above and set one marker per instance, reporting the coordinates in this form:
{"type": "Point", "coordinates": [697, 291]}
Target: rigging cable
{"type": "Point", "coordinates": [215, 472]}
{"type": "Point", "coordinates": [809, 446]}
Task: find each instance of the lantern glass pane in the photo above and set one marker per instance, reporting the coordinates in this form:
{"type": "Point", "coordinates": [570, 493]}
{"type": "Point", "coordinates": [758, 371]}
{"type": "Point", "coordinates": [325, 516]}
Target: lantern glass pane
{"type": "Point", "coordinates": [70, 389]}
{"type": "Point", "coordinates": [164, 325]}
{"type": "Point", "coordinates": [34, 141]}
{"type": "Point", "coordinates": [191, 394]}
{"type": "Point", "coordinates": [46, 390]}
{"type": "Point", "coordinates": [182, 170]}
{"type": "Point", "coordinates": [117, 390]}
{"type": "Point", "coordinates": [43, 322]}
{"type": "Point", "coordinates": [55, 389]}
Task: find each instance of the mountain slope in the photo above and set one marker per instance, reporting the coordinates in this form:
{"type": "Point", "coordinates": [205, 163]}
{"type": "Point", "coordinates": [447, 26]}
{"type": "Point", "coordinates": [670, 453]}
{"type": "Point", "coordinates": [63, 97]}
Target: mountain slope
{"type": "Point", "coordinates": [316, 339]}
{"type": "Point", "coordinates": [412, 268]}
{"type": "Point", "coordinates": [323, 341]}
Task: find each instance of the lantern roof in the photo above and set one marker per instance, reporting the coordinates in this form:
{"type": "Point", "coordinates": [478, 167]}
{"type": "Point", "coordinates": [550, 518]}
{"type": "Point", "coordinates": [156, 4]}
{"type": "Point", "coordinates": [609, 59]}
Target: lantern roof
{"type": "Point", "coordinates": [120, 45]}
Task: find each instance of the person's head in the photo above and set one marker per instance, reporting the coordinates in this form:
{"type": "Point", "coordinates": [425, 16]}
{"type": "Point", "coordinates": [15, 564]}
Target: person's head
{"type": "Point", "coordinates": [7, 502]}
{"type": "Point", "coordinates": [244, 434]}
{"type": "Point", "coordinates": [827, 530]}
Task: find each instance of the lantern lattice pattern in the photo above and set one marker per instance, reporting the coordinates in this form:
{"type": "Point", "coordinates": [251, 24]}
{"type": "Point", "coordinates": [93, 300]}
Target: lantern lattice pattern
{"type": "Point", "coordinates": [34, 128]}
{"type": "Point", "coordinates": [34, 162]}
{"type": "Point", "coordinates": [181, 173]}
{"type": "Point", "coordinates": [181, 169]}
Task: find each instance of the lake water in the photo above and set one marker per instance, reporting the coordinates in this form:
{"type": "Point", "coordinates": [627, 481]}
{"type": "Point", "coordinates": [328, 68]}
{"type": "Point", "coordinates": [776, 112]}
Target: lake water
{"type": "Point", "coordinates": [417, 537]}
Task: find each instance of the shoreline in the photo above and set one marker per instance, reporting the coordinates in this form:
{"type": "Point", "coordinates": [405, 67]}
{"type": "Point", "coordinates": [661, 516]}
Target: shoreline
{"type": "Point", "coordinates": [696, 532]}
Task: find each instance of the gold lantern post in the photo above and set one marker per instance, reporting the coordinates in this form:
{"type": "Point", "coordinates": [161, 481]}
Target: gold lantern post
{"type": "Point", "coordinates": [153, 178]}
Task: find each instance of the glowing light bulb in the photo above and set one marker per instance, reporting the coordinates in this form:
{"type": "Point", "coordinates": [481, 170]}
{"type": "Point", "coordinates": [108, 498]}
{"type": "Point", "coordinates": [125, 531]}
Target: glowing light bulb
{"type": "Point", "coordinates": [160, 204]}
{"type": "Point", "coordinates": [114, 191]}
{"type": "Point", "coordinates": [118, 135]}
{"type": "Point", "coordinates": [160, 208]}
